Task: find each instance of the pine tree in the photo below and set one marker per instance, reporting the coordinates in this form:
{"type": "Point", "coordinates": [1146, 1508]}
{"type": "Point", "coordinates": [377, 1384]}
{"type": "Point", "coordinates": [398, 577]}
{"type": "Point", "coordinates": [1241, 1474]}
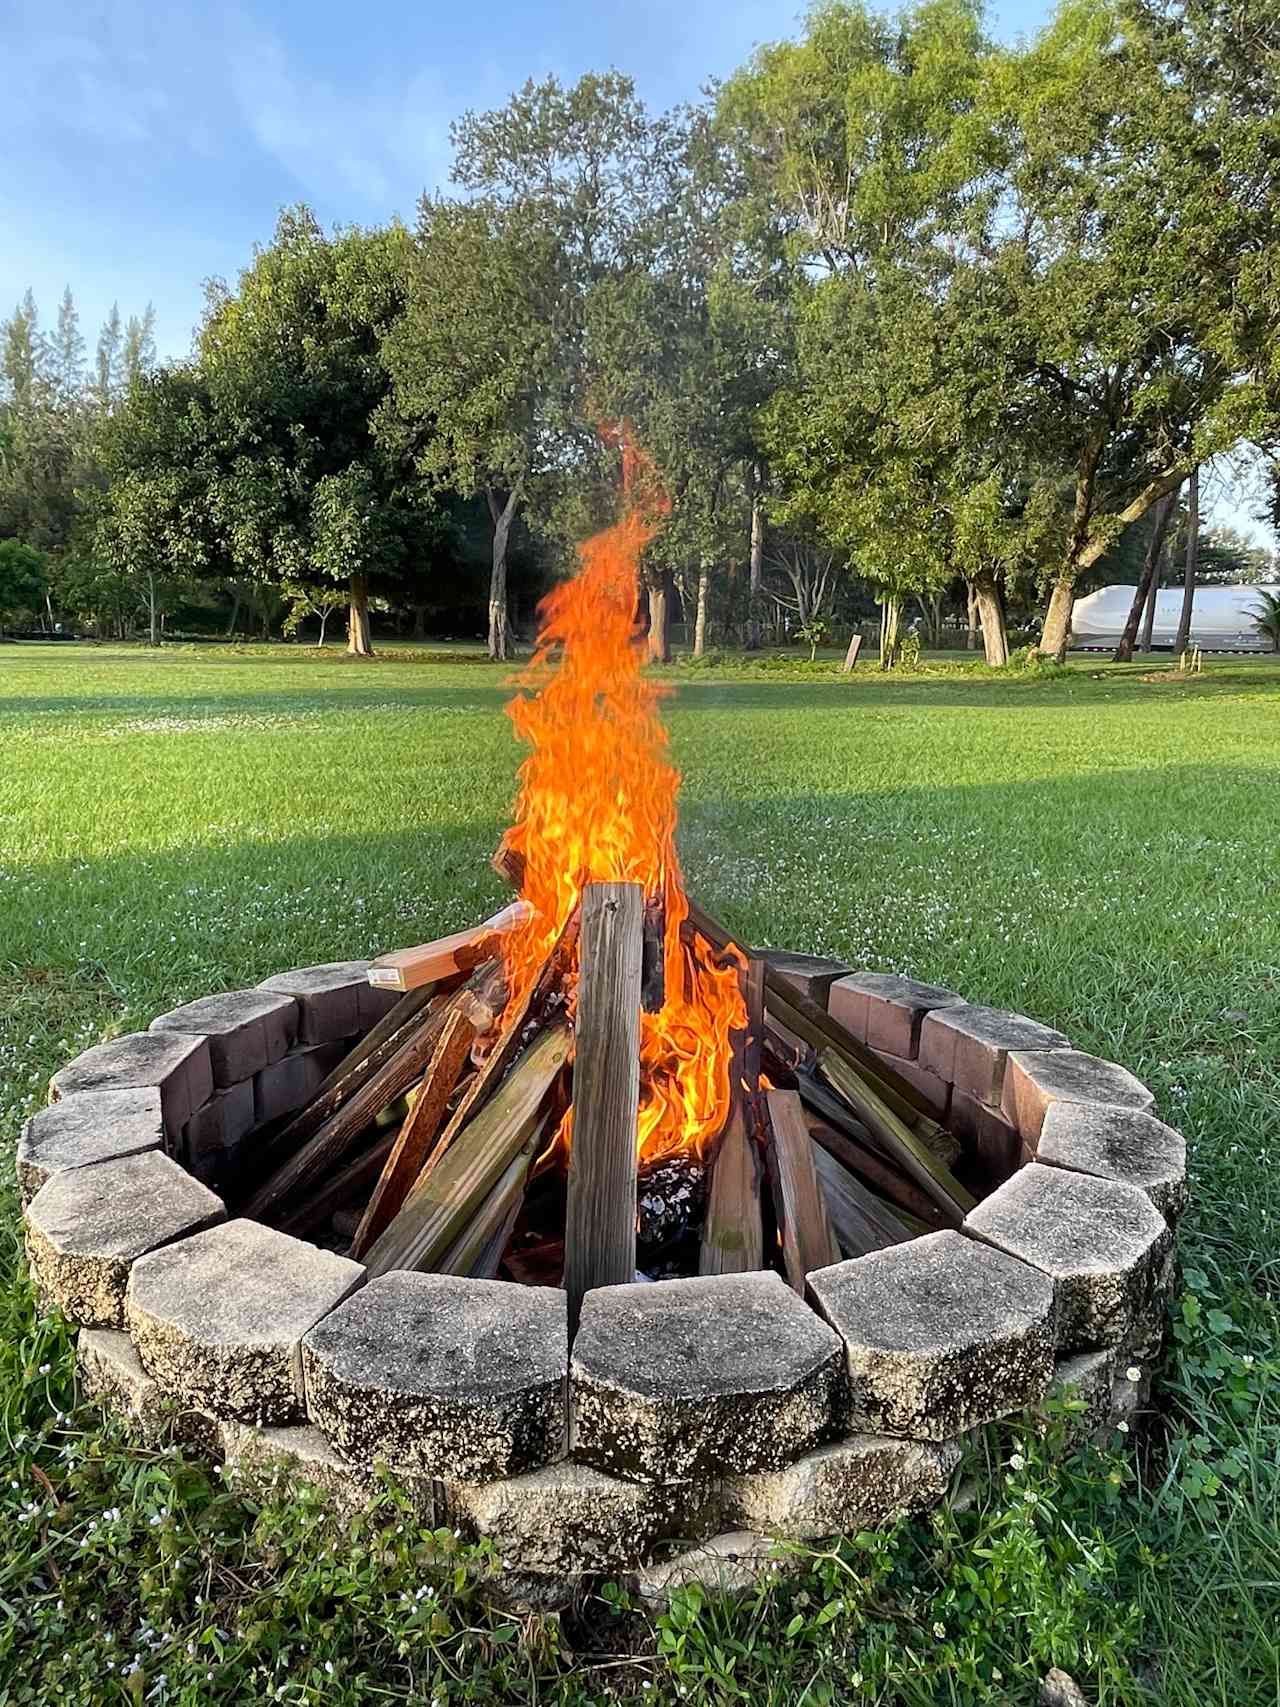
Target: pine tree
{"type": "Point", "coordinates": [139, 347]}
{"type": "Point", "coordinates": [67, 349]}
{"type": "Point", "coordinates": [106, 367]}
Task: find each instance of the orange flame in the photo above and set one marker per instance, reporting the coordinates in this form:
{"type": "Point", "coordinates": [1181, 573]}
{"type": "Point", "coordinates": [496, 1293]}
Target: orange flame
{"type": "Point", "coordinates": [597, 803]}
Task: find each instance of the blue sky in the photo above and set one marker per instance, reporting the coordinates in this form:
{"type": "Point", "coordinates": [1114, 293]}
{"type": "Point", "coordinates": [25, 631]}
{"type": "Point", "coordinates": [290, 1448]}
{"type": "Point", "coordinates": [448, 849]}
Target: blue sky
{"type": "Point", "coordinates": [145, 146]}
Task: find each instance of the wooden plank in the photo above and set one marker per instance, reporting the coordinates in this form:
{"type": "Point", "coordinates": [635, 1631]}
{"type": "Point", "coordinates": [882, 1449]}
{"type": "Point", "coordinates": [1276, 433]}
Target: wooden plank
{"type": "Point", "coordinates": [600, 1210]}
{"type": "Point", "coordinates": [409, 1152]}
{"type": "Point", "coordinates": [807, 1239]}
{"type": "Point", "coordinates": [733, 1233]}
{"type": "Point", "coordinates": [861, 1221]}
{"type": "Point", "coordinates": [339, 1190]}
{"type": "Point", "coordinates": [753, 1043]}
{"type": "Point", "coordinates": [509, 1042]}
{"type": "Point", "coordinates": [883, 1176]}
{"type": "Point", "coordinates": [407, 968]}
{"type": "Point", "coordinates": [851, 656]}
{"type": "Point", "coordinates": [478, 1251]}
{"type": "Point", "coordinates": [446, 1196]}
{"type": "Point", "coordinates": [803, 1017]}
{"type": "Point", "coordinates": [374, 1094]}
{"type": "Point", "coordinates": [903, 1144]}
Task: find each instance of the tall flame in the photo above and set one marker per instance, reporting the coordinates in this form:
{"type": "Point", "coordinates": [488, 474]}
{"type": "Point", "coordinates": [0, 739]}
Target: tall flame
{"type": "Point", "coordinates": [597, 803]}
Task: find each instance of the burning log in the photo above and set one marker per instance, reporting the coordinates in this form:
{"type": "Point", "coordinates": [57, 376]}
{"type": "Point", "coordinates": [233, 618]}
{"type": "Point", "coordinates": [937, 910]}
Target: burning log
{"type": "Point", "coordinates": [807, 1238]}
{"type": "Point", "coordinates": [409, 1152]}
{"type": "Point", "coordinates": [600, 1214]}
{"type": "Point", "coordinates": [653, 977]}
{"type": "Point", "coordinates": [509, 865]}
{"type": "Point", "coordinates": [444, 1199]}
{"type": "Point", "coordinates": [391, 1080]}
{"type": "Point", "coordinates": [892, 1134]}
{"type": "Point", "coordinates": [860, 1220]}
{"type": "Point", "coordinates": [753, 1044]}
{"type": "Point", "coordinates": [407, 968]}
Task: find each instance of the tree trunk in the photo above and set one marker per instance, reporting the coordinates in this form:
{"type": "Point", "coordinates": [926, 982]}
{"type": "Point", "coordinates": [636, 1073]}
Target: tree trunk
{"type": "Point", "coordinates": [995, 636]}
{"type": "Point", "coordinates": [755, 584]}
{"type": "Point", "coordinates": [1153, 592]}
{"type": "Point", "coordinates": [890, 616]}
{"type": "Point", "coordinates": [235, 613]}
{"type": "Point", "coordinates": [152, 611]}
{"type": "Point", "coordinates": [1143, 593]}
{"type": "Point", "coordinates": [659, 621]}
{"type": "Point", "coordinates": [700, 615]}
{"type": "Point", "coordinates": [324, 619]}
{"type": "Point", "coordinates": [419, 622]}
{"type": "Point", "coordinates": [1193, 557]}
{"type": "Point", "coordinates": [499, 623]}
{"type": "Point", "coordinates": [359, 639]}
{"type": "Point", "coordinates": [971, 633]}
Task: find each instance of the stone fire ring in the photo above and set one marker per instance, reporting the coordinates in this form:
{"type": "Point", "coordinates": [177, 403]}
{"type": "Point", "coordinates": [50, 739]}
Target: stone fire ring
{"type": "Point", "coordinates": [696, 1421]}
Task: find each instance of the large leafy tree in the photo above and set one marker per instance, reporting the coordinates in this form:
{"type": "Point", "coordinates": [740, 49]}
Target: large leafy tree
{"type": "Point", "coordinates": [486, 367]}
{"type": "Point", "coordinates": [1138, 277]}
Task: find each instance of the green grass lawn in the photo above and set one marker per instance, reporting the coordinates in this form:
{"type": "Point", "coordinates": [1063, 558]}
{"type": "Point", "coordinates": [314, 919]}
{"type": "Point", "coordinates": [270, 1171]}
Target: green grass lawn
{"type": "Point", "coordinates": [1098, 847]}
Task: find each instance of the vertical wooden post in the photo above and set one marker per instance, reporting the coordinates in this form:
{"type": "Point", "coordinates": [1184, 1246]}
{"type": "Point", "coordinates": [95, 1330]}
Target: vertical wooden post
{"type": "Point", "coordinates": [807, 1239]}
{"type": "Point", "coordinates": [600, 1215]}
{"type": "Point", "coordinates": [733, 1231]}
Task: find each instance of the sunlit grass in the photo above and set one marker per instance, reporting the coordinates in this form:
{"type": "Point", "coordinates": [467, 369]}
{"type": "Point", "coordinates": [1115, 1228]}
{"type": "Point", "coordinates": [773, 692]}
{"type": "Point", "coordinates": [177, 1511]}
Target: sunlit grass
{"type": "Point", "coordinates": [1098, 849]}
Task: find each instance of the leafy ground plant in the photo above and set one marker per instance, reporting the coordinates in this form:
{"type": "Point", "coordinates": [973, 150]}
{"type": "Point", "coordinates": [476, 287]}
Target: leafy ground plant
{"type": "Point", "coordinates": [1086, 846]}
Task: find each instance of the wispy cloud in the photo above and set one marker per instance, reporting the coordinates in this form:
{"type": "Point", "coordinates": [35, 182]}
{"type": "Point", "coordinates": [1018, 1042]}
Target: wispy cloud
{"type": "Point", "coordinates": [384, 142]}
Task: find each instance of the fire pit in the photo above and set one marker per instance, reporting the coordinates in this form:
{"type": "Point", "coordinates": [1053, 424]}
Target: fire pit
{"type": "Point", "coordinates": [616, 1242]}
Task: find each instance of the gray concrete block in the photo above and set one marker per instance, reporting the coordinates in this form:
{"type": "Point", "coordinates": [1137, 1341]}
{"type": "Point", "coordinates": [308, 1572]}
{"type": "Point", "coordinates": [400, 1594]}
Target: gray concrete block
{"type": "Point", "coordinates": [87, 1127]}
{"type": "Point", "coordinates": [333, 1000]}
{"type": "Point", "coordinates": [811, 974]}
{"type": "Point", "coordinates": [860, 1483]}
{"type": "Point", "coordinates": [1035, 1078]}
{"type": "Point", "coordinates": [170, 1062]}
{"type": "Point", "coordinates": [1103, 1245]}
{"type": "Point", "coordinates": [935, 1091]}
{"type": "Point", "coordinates": [111, 1372]}
{"type": "Point", "coordinates": [940, 1335]}
{"type": "Point", "coordinates": [568, 1517]}
{"type": "Point", "coordinates": [219, 1318]}
{"type": "Point", "coordinates": [885, 1010]}
{"type": "Point", "coordinates": [213, 1135]}
{"type": "Point", "coordinates": [247, 1030]}
{"type": "Point", "coordinates": [734, 1563]}
{"type": "Point", "coordinates": [86, 1227]}
{"type": "Point", "coordinates": [690, 1378]}
{"type": "Point", "coordinates": [1118, 1143]}
{"type": "Point", "coordinates": [969, 1045]}
{"type": "Point", "coordinates": [1083, 1384]}
{"type": "Point", "coordinates": [290, 1084]}
{"type": "Point", "coordinates": [266, 1460]}
{"type": "Point", "coordinates": [441, 1376]}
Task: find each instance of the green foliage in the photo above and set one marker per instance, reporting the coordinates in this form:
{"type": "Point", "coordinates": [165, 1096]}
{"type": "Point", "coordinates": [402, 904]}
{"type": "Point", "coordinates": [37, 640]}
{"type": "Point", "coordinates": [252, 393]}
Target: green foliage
{"type": "Point", "coordinates": [24, 575]}
{"type": "Point", "coordinates": [1267, 617]}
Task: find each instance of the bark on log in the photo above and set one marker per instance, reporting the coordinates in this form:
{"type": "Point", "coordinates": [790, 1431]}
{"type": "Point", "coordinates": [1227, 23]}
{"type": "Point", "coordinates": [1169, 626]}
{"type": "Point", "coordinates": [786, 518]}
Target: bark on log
{"type": "Point", "coordinates": [873, 1168]}
{"type": "Point", "coordinates": [653, 977]}
{"type": "Point", "coordinates": [339, 1190]}
{"type": "Point", "coordinates": [600, 1213]}
{"type": "Point", "coordinates": [859, 1221]}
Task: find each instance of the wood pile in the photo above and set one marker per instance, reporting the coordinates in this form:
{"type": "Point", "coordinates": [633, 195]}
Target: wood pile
{"type": "Point", "coordinates": [467, 1134]}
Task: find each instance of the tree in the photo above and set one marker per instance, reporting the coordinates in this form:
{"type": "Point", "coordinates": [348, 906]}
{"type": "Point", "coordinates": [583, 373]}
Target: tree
{"type": "Point", "coordinates": [1136, 278]}
{"type": "Point", "coordinates": [297, 486]}
{"type": "Point", "coordinates": [106, 361]}
{"type": "Point", "coordinates": [318, 598]}
{"type": "Point", "coordinates": [1266, 617]}
{"type": "Point", "coordinates": [23, 580]}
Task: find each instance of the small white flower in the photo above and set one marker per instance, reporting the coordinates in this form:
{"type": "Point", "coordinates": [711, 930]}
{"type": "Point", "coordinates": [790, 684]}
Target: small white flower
{"type": "Point", "coordinates": [1123, 1427]}
{"type": "Point", "coordinates": [940, 1630]}
{"type": "Point", "coordinates": [1133, 1373]}
{"type": "Point", "coordinates": [1017, 1462]}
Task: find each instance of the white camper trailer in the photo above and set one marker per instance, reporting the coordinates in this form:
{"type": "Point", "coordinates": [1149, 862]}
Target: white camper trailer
{"type": "Point", "coordinates": [1221, 619]}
